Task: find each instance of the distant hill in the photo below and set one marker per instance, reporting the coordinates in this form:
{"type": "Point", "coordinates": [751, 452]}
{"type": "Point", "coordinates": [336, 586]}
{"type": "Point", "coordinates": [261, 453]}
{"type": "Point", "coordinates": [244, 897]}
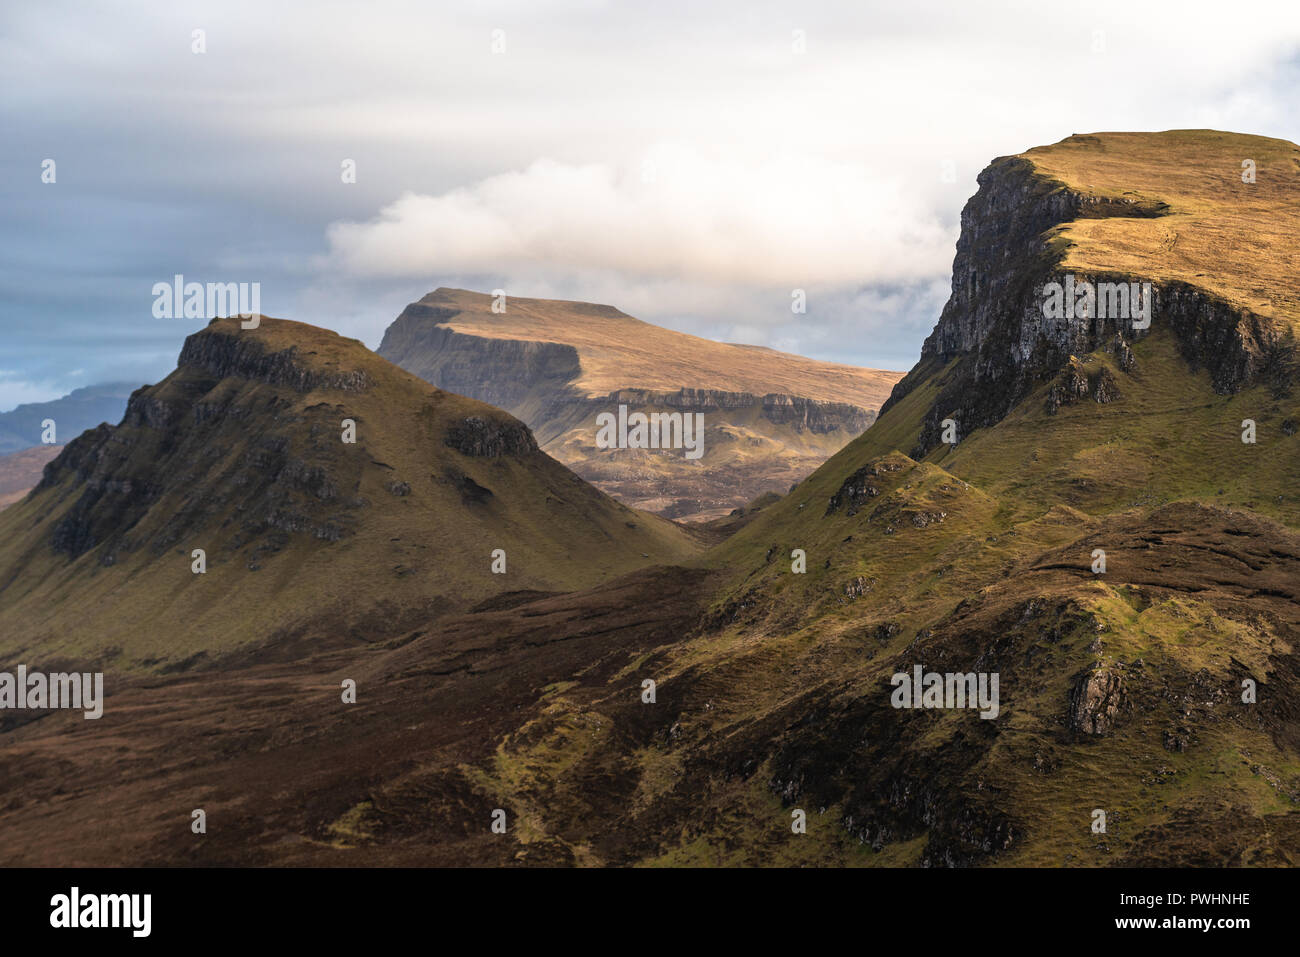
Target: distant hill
{"type": "Point", "coordinates": [81, 409]}
{"type": "Point", "coordinates": [770, 417]}
{"type": "Point", "coordinates": [308, 539]}
{"type": "Point", "coordinates": [20, 471]}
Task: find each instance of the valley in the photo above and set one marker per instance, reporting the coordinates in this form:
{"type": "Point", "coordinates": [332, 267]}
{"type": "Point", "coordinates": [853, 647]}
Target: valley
{"type": "Point", "coordinates": [1158, 687]}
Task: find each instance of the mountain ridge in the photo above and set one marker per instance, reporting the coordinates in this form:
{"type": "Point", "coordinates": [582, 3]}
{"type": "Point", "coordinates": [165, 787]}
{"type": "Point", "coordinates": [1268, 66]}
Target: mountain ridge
{"type": "Point", "coordinates": [81, 409]}
{"type": "Point", "coordinates": [243, 451]}
{"type": "Point", "coordinates": [559, 364]}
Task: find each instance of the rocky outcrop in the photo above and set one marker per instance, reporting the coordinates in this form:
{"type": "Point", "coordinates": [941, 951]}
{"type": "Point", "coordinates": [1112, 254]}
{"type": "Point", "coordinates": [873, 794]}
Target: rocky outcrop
{"type": "Point", "coordinates": [1095, 701]}
{"type": "Point", "coordinates": [1075, 384]}
{"type": "Point", "coordinates": [1231, 343]}
{"type": "Point", "coordinates": [484, 438]}
{"type": "Point", "coordinates": [859, 488]}
{"type": "Point", "coordinates": [226, 356]}
{"type": "Point", "coordinates": [994, 322]}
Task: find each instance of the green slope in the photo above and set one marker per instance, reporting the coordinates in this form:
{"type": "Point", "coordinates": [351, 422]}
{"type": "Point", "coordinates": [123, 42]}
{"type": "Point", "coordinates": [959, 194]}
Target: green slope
{"type": "Point", "coordinates": [239, 452]}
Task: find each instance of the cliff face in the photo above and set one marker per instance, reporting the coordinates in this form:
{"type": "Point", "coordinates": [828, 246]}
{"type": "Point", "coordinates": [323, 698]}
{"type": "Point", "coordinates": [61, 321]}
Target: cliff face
{"type": "Point", "coordinates": [560, 365]}
{"type": "Point", "coordinates": [1025, 228]}
{"type": "Point", "coordinates": [501, 372]}
{"type": "Point", "coordinates": [224, 356]}
{"type": "Point", "coordinates": [798, 412]}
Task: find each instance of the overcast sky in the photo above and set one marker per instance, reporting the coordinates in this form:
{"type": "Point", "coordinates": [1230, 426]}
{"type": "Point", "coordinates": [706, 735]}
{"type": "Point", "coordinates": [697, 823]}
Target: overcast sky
{"type": "Point", "coordinates": [686, 162]}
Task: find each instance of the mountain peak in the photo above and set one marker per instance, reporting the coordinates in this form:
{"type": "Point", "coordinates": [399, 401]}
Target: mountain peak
{"type": "Point", "coordinates": [280, 352]}
{"type": "Point", "coordinates": [312, 475]}
{"type": "Point", "coordinates": [771, 417]}
{"type": "Point", "coordinates": [1202, 221]}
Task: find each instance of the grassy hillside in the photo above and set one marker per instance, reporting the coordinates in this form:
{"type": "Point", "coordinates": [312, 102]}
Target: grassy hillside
{"type": "Point", "coordinates": [977, 561]}
{"type": "Point", "coordinates": [239, 452]}
{"type": "Point", "coordinates": [1120, 691]}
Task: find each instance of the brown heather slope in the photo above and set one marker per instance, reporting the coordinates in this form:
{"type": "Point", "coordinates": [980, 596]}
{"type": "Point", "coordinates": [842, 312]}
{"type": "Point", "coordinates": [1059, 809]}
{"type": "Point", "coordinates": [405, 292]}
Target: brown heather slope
{"type": "Point", "coordinates": [308, 539]}
{"type": "Point", "coordinates": [20, 471]}
{"type": "Point", "coordinates": [770, 417]}
{"type": "Point", "coordinates": [537, 709]}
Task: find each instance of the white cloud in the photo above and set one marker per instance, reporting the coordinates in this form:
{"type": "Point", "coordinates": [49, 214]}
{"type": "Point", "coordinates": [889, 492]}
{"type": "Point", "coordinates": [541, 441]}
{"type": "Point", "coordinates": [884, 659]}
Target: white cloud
{"type": "Point", "coordinates": [774, 169]}
{"type": "Point", "coordinates": [785, 221]}
{"type": "Point", "coordinates": [17, 391]}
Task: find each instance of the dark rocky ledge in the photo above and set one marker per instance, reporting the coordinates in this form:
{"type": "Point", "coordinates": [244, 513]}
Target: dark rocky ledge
{"type": "Point", "coordinates": [226, 356]}
{"type": "Point", "coordinates": [490, 438]}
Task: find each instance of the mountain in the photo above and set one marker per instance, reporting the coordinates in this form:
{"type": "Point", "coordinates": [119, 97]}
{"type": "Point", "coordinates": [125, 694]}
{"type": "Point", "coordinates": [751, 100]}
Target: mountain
{"type": "Point", "coordinates": [1160, 692]}
{"type": "Point", "coordinates": [22, 453]}
{"type": "Point", "coordinates": [80, 409]}
{"type": "Point", "coordinates": [1146, 710]}
{"type": "Point", "coordinates": [20, 471]}
{"type": "Point", "coordinates": [308, 539]}
{"type": "Point", "coordinates": [1121, 689]}
{"type": "Point", "coordinates": [770, 418]}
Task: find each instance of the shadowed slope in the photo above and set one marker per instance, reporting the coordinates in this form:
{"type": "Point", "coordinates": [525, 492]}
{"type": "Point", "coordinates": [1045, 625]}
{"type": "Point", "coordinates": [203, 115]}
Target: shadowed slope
{"type": "Point", "coordinates": [240, 452]}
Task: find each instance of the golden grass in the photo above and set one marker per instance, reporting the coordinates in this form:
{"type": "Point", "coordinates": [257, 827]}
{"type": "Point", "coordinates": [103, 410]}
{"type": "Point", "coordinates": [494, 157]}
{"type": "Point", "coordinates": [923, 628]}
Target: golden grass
{"type": "Point", "coordinates": [617, 351]}
{"type": "Point", "coordinates": [1233, 239]}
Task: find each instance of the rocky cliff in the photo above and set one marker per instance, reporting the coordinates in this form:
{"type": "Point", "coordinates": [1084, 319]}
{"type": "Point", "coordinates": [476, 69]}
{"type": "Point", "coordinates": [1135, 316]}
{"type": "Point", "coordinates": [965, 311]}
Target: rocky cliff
{"type": "Point", "coordinates": [1032, 222]}
{"type": "Point", "coordinates": [501, 372]}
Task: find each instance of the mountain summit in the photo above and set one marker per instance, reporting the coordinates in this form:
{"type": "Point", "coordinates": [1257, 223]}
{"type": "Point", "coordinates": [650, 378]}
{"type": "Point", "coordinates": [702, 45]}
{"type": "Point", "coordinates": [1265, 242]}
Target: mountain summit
{"type": "Point", "coordinates": [1206, 219]}
{"type": "Point", "coordinates": [770, 417]}
{"type": "Point", "coordinates": [332, 495]}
